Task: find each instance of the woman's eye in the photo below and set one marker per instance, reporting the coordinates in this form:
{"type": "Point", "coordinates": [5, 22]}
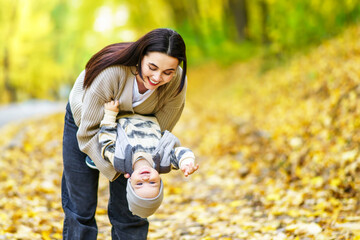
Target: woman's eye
{"type": "Point", "coordinates": [139, 184]}
{"type": "Point", "coordinates": [167, 73]}
{"type": "Point", "coordinates": [152, 182]}
{"type": "Point", "coordinates": [152, 68]}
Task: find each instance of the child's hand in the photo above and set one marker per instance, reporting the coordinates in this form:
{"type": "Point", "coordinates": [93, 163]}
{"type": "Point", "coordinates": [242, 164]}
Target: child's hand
{"type": "Point", "coordinates": [189, 168]}
{"type": "Point", "coordinates": [112, 106]}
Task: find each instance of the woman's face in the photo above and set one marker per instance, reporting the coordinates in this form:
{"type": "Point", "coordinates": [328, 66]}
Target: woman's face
{"type": "Point", "coordinates": [157, 69]}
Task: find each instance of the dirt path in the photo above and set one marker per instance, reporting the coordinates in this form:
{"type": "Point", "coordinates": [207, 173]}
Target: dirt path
{"type": "Point", "coordinates": [29, 109]}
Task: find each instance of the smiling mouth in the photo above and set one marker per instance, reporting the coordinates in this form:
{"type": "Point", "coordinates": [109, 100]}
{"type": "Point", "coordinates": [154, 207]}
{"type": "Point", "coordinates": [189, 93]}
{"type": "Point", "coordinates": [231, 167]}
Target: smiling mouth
{"type": "Point", "coordinates": [153, 82]}
{"type": "Point", "coordinates": [145, 172]}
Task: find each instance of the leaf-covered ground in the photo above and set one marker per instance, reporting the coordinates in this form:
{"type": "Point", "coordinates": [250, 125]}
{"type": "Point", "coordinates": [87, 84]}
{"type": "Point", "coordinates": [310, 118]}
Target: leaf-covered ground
{"type": "Point", "coordinates": [278, 153]}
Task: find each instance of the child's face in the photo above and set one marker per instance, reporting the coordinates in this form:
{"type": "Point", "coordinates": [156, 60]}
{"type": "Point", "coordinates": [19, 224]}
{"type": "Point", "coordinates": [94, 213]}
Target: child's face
{"type": "Point", "coordinates": [146, 182]}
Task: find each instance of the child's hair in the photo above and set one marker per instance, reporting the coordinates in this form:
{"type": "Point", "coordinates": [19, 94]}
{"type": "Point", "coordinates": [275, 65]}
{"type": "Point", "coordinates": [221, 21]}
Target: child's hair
{"type": "Point", "coordinates": [143, 207]}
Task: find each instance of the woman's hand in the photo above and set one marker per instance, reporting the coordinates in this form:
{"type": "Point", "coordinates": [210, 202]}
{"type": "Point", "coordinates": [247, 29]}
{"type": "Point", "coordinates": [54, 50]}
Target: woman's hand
{"type": "Point", "coordinates": [112, 106]}
{"type": "Point", "coordinates": [189, 168]}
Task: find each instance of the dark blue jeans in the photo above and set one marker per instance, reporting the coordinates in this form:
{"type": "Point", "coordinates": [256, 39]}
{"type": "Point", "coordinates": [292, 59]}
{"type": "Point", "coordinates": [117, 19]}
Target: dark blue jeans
{"type": "Point", "coordinates": [79, 189]}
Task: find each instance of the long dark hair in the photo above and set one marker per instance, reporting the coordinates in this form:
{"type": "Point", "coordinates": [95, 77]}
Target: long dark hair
{"type": "Point", "coordinates": [162, 40]}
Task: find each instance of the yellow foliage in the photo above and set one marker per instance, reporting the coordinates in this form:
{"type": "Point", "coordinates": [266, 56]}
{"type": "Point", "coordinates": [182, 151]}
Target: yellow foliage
{"type": "Point", "coordinates": [278, 156]}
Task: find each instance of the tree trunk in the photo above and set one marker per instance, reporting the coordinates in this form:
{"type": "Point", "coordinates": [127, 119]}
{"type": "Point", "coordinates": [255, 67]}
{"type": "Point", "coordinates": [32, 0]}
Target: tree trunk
{"type": "Point", "coordinates": [7, 84]}
{"type": "Point", "coordinates": [9, 88]}
{"type": "Point", "coordinates": [265, 15]}
{"type": "Point", "coordinates": [186, 15]}
{"type": "Point", "coordinates": [239, 11]}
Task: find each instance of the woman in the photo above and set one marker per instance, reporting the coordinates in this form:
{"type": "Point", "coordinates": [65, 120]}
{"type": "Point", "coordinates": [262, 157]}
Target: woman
{"type": "Point", "coordinates": [146, 77]}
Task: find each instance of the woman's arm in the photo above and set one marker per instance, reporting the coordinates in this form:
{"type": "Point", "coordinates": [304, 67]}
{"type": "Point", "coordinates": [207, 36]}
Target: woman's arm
{"type": "Point", "coordinates": [102, 90]}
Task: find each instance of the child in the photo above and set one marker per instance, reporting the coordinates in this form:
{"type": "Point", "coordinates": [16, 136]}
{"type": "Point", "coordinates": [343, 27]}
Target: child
{"type": "Point", "coordinates": [136, 148]}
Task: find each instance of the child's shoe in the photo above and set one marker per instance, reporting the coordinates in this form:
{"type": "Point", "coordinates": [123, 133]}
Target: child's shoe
{"type": "Point", "coordinates": [90, 163]}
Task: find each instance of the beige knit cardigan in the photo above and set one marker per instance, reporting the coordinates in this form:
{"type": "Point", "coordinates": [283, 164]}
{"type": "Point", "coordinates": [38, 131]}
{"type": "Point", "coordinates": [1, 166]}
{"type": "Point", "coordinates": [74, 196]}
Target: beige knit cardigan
{"type": "Point", "coordinates": [116, 83]}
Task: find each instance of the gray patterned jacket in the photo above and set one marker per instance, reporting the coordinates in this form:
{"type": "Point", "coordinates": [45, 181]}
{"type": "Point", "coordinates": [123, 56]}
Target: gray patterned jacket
{"type": "Point", "coordinates": [136, 136]}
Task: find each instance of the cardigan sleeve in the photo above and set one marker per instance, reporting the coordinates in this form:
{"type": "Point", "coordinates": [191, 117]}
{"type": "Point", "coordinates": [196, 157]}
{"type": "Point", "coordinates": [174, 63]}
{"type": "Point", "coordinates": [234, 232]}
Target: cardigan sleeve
{"type": "Point", "coordinates": [100, 91]}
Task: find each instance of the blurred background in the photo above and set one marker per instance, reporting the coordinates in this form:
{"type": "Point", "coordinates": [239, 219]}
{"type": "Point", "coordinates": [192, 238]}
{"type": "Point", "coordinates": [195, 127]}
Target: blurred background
{"type": "Point", "coordinates": [272, 114]}
{"type": "Point", "coordinates": [45, 44]}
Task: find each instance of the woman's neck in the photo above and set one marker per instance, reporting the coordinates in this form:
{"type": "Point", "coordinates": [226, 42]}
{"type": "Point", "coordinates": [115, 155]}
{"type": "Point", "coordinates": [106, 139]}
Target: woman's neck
{"type": "Point", "coordinates": [141, 87]}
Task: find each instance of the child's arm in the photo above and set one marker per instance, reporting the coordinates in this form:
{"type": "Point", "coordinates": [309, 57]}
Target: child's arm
{"type": "Point", "coordinates": [186, 160]}
{"type": "Point", "coordinates": [108, 131]}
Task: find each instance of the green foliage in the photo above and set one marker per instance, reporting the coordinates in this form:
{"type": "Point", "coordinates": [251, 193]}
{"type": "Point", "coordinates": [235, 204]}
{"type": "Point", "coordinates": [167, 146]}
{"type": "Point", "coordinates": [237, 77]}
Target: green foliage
{"type": "Point", "coordinates": [295, 24]}
{"type": "Point", "coordinates": [44, 45]}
